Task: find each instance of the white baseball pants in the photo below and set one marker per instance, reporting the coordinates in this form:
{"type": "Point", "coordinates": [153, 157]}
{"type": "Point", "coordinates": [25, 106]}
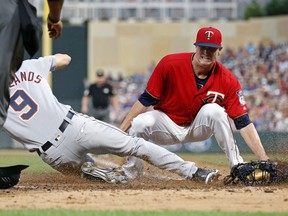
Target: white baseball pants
{"type": "Point", "coordinates": [211, 120]}
{"type": "Point", "coordinates": [87, 135]}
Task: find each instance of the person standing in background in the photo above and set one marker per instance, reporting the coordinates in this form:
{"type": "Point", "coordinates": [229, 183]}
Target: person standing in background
{"type": "Point", "coordinates": [102, 95]}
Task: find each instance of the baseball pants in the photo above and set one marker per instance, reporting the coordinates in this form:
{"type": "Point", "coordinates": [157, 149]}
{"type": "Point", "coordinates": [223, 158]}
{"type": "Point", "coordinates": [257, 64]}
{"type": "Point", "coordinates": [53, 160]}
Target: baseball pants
{"type": "Point", "coordinates": [210, 120]}
{"type": "Point", "coordinates": [88, 135]}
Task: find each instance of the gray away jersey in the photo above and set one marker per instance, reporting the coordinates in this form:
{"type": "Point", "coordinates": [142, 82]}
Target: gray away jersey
{"type": "Point", "coordinates": [34, 114]}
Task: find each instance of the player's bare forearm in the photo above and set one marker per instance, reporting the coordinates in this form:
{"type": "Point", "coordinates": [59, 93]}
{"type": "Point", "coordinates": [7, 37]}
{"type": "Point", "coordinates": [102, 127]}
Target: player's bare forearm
{"type": "Point", "coordinates": [115, 104]}
{"type": "Point", "coordinates": [62, 61]}
{"type": "Point", "coordinates": [84, 104]}
{"type": "Point", "coordinates": [136, 109]}
{"type": "Point", "coordinates": [251, 137]}
{"type": "Point", "coordinates": [55, 8]}
{"type": "Point", "coordinates": [54, 23]}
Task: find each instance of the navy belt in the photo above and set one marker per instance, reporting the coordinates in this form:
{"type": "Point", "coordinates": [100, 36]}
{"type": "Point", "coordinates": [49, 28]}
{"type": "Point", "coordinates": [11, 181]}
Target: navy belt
{"type": "Point", "coordinates": [44, 147]}
{"type": "Point", "coordinates": [64, 124]}
{"type": "Point", "coordinates": [62, 128]}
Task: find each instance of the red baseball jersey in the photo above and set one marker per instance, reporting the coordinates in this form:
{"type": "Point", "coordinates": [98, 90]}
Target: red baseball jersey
{"type": "Point", "coordinates": [173, 83]}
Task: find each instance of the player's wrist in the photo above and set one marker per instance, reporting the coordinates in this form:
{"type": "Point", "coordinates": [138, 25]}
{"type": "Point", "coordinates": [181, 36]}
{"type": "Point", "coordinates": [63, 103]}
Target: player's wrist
{"type": "Point", "coordinates": [53, 21]}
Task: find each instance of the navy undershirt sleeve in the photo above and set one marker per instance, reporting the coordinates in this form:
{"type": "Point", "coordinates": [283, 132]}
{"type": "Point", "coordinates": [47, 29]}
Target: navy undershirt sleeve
{"type": "Point", "coordinates": [147, 100]}
{"type": "Point", "coordinates": [242, 121]}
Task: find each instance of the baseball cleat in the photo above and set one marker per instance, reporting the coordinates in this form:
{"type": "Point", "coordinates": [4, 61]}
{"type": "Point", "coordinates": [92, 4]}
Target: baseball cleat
{"type": "Point", "coordinates": [110, 175]}
{"type": "Point", "coordinates": [89, 158]}
{"type": "Point", "coordinates": [206, 175]}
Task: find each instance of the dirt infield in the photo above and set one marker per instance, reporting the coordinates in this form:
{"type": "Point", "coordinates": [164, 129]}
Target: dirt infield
{"type": "Point", "coordinates": [54, 190]}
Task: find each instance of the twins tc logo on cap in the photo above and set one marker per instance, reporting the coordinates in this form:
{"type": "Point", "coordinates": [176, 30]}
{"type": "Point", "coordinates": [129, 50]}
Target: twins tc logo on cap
{"type": "Point", "coordinates": [209, 34]}
{"type": "Point", "coordinates": [210, 37]}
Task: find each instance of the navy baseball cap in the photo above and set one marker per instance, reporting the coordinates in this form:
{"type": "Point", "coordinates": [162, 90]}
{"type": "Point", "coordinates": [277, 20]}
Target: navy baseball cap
{"type": "Point", "coordinates": [209, 37]}
{"type": "Point", "coordinates": [100, 73]}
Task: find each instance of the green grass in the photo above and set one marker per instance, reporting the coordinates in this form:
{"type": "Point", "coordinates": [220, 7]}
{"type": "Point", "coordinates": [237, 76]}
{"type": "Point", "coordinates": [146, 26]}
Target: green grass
{"type": "Point", "coordinates": [13, 157]}
{"type": "Point", "coordinates": [128, 213]}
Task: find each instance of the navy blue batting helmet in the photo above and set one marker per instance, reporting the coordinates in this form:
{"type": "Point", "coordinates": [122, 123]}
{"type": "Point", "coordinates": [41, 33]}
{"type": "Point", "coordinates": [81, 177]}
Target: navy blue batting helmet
{"type": "Point", "coordinates": [10, 175]}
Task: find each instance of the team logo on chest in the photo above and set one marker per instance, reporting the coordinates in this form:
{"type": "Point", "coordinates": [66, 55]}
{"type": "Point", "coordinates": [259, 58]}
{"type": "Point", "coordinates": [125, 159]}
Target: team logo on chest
{"type": "Point", "coordinates": [106, 90]}
{"type": "Point", "coordinates": [214, 97]}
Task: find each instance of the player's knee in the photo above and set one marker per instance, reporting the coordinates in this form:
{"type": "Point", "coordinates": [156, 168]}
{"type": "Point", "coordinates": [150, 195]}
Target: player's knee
{"type": "Point", "coordinates": [214, 112]}
{"type": "Point", "coordinates": [141, 125]}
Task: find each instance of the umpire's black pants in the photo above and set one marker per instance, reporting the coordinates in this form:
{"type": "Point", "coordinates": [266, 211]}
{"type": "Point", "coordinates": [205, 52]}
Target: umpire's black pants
{"type": "Point", "coordinates": [11, 51]}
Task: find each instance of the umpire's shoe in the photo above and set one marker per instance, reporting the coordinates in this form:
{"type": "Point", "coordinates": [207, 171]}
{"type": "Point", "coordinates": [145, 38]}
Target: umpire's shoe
{"type": "Point", "coordinates": [110, 175]}
{"type": "Point", "coordinates": [206, 175]}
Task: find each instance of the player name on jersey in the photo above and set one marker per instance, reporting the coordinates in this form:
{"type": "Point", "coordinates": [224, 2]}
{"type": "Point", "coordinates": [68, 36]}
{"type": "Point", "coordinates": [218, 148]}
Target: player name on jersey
{"type": "Point", "coordinates": [26, 76]}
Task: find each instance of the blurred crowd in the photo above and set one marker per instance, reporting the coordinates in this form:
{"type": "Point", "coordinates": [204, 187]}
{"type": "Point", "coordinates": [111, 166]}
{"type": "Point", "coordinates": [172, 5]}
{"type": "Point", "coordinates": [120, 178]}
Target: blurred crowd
{"type": "Point", "coordinates": [262, 71]}
{"type": "Point", "coordinates": [263, 74]}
